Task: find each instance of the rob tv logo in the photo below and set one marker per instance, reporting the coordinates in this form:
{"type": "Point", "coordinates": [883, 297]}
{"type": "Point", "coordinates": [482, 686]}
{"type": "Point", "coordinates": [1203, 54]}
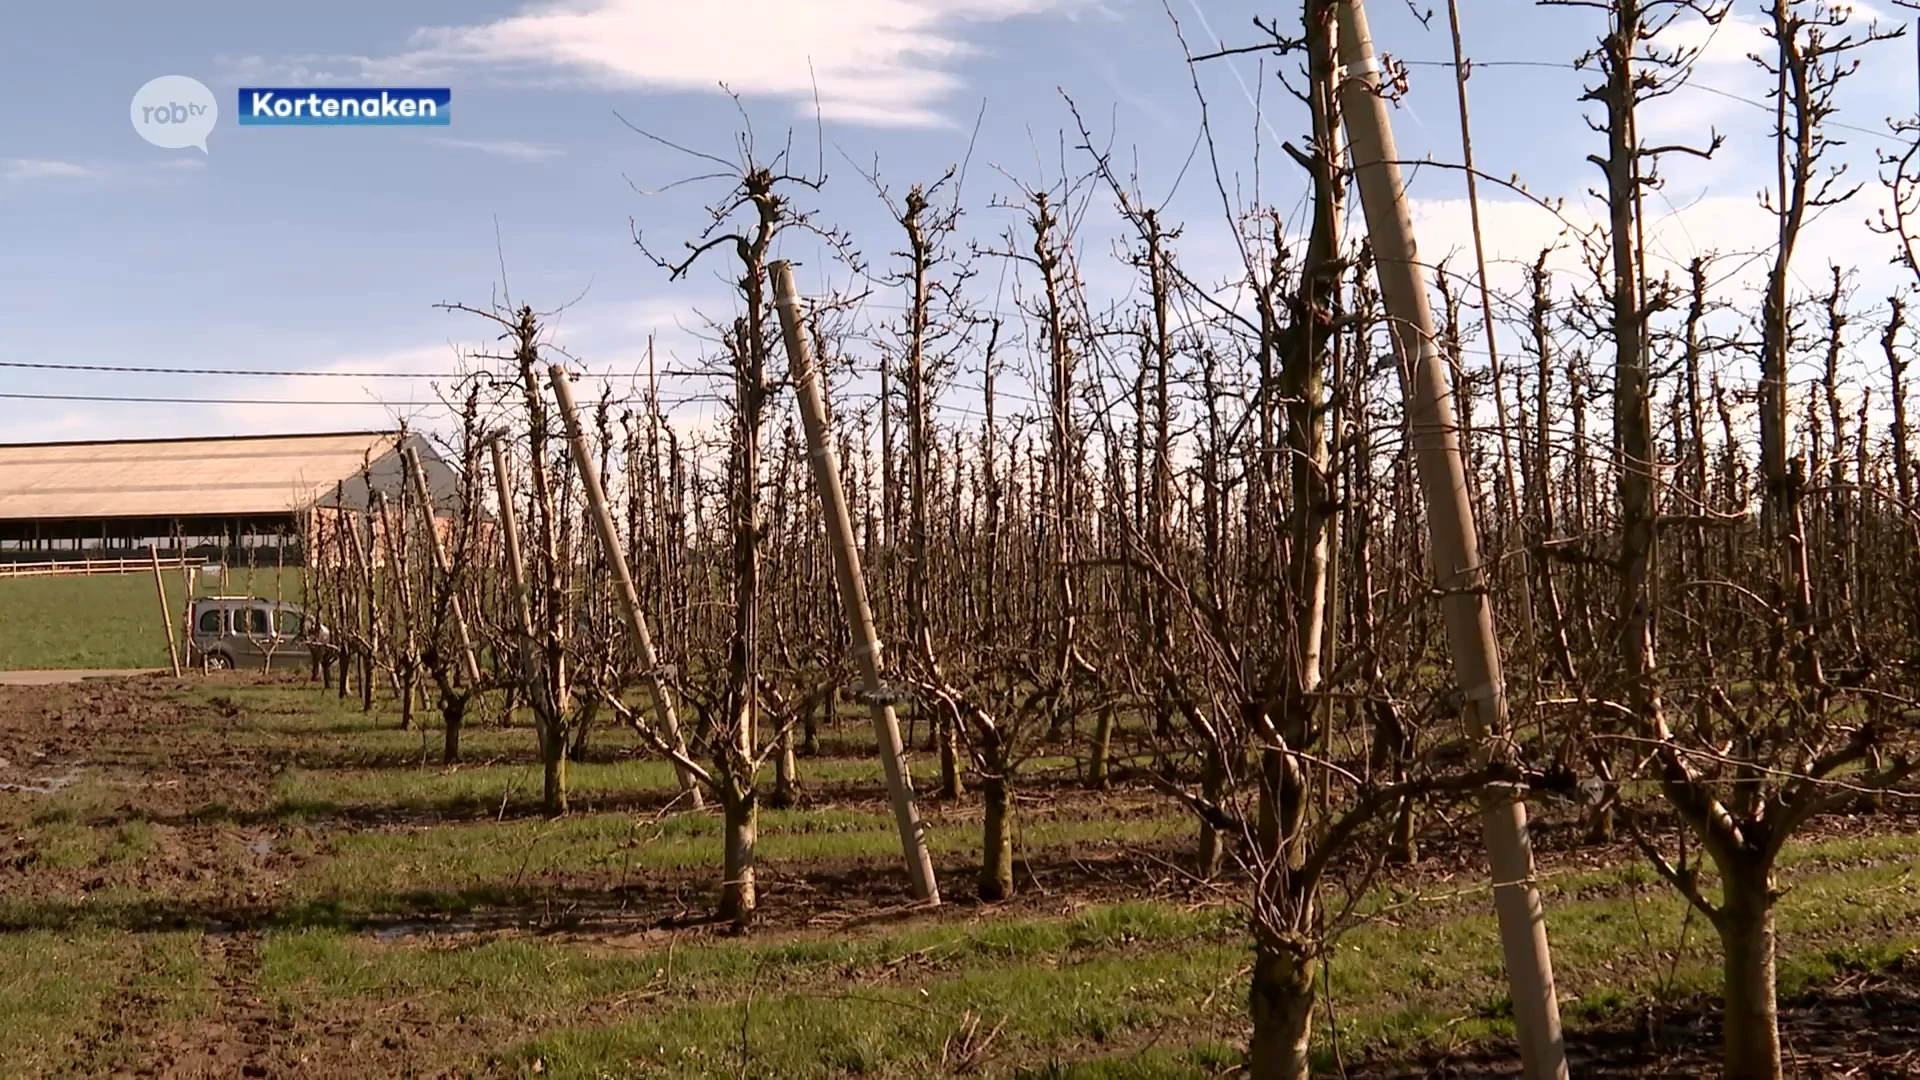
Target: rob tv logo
{"type": "Point", "coordinates": [174, 111]}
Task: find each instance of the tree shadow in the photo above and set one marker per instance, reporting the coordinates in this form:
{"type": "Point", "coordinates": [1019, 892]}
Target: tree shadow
{"type": "Point", "coordinates": [1865, 1023]}
{"type": "Point", "coordinates": [815, 894]}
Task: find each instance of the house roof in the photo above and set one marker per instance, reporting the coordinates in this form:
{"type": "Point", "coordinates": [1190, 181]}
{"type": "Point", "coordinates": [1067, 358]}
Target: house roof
{"type": "Point", "coordinates": [234, 476]}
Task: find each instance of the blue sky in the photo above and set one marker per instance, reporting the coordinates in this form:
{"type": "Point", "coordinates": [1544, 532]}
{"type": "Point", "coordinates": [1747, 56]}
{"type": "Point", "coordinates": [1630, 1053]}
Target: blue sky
{"type": "Point", "coordinates": [317, 248]}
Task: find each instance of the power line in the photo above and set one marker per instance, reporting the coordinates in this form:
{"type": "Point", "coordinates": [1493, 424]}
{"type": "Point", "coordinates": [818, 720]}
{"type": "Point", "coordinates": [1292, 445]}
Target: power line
{"type": "Point", "coordinates": [132, 399]}
{"type": "Point", "coordinates": [141, 400]}
{"type": "Point", "coordinates": [42, 365]}
{"type": "Point", "coordinates": [136, 370]}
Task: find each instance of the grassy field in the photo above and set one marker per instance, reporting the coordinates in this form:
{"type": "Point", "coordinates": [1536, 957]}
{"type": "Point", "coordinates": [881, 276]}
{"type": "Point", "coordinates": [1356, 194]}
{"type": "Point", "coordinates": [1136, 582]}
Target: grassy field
{"type": "Point", "coordinates": [217, 877]}
{"type": "Point", "coordinates": [103, 621]}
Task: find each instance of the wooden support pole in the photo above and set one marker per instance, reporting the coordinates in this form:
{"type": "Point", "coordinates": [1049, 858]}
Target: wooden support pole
{"type": "Point", "coordinates": [853, 586]}
{"type": "Point", "coordinates": [1458, 570]}
{"type": "Point", "coordinates": [186, 606]}
{"type": "Point", "coordinates": [510, 534]}
{"type": "Point", "coordinates": [166, 610]}
{"type": "Point", "coordinates": [367, 608]}
{"type": "Point", "coordinates": [438, 550]}
{"type": "Point", "coordinates": [516, 566]}
{"type": "Point", "coordinates": [622, 577]}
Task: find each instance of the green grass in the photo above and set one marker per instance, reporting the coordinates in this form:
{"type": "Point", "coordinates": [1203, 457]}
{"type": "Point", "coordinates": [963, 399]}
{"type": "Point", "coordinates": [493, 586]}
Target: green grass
{"type": "Point", "coordinates": [49, 985]}
{"type": "Point", "coordinates": [70, 845]}
{"type": "Point", "coordinates": [1069, 1009]}
{"type": "Point", "coordinates": [56, 988]}
{"type": "Point", "coordinates": [1054, 987]}
{"type": "Point", "coordinates": [1066, 979]}
{"type": "Point", "coordinates": [497, 975]}
{"type": "Point", "coordinates": [1140, 989]}
{"type": "Point", "coordinates": [102, 621]}
{"type": "Point", "coordinates": [110, 621]}
{"type": "Point", "coordinates": [463, 867]}
{"type": "Point", "coordinates": [480, 785]}
{"type": "Point", "coordinates": [345, 760]}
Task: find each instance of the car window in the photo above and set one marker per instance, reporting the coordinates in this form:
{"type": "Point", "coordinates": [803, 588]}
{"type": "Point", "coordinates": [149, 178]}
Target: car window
{"type": "Point", "coordinates": [288, 621]}
{"type": "Point", "coordinates": [210, 620]}
{"type": "Point", "coordinates": [261, 627]}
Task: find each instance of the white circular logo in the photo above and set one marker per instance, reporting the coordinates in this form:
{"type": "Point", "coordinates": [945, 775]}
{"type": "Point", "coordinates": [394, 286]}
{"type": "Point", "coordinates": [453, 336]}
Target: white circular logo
{"type": "Point", "coordinates": [175, 111]}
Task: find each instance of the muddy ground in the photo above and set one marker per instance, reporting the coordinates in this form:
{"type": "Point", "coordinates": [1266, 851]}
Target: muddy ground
{"type": "Point", "coordinates": [221, 859]}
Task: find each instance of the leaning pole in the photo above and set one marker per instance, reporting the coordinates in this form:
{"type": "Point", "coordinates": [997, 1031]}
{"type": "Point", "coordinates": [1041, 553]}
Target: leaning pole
{"type": "Point", "coordinates": [651, 671]}
{"type": "Point", "coordinates": [1453, 542]}
{"type": "Point", "coordinates": [853, 586]}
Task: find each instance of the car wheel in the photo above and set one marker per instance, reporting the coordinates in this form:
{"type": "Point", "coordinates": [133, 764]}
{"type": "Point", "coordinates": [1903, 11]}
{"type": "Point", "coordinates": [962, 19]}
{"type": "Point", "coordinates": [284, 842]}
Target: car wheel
{"type": "Point", "coordinates": [219, 662]}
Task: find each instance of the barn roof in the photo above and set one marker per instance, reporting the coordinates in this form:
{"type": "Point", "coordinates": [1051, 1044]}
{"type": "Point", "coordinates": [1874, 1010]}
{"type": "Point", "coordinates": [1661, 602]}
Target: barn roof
{"type": "Point", "coordinates": [244, 476]}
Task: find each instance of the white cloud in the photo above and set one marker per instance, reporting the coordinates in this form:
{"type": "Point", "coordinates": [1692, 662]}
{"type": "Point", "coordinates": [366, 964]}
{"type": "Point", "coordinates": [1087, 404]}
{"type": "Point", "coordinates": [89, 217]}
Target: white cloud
{"type": "Point", "coordinates": [1731, 227]}
{"type": "Point", "coordinates": [311, 69]}
{"type": "Point", "coordinates": [51, 424]}
{"type": "Point", "coordinates": [144, 172]}
{"type": "Point", "coordinates": [44, 169]}
{"type": "Point", "coordinates": [313, 404]}
{"type": "Point", "coordinates": [509, 148]}
{"type": "Point", "coordinates": [1863, 13]}
{"type": "Point", "coordinates": [1730, 41]}
{"type": "Point", "coordinates": [882, 62]}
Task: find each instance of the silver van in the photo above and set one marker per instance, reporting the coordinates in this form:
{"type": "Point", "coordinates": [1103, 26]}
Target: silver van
{"type": "Point", "coordinates": [251, 632]}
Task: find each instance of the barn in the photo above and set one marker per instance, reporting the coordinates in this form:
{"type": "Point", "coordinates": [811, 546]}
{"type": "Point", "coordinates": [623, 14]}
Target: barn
{"type": "Point", "coordinates": [241, 499]}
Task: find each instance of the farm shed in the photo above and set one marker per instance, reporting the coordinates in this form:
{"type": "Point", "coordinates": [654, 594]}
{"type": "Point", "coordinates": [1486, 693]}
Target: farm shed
{"type": "Point", "coordinates": [223, 497]}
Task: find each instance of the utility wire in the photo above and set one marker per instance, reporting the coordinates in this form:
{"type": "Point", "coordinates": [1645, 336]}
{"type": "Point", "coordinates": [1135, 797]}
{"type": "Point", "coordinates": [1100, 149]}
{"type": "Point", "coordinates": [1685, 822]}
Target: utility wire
{"type": "Point", "coordinates": [41, 365]}
{"type": "Point", "coordinates": [141, 400]}
{"type": "Point", "coordinates": [125, 368]}
{"type": "Point", "coordinates": [139, 370]}
{"type": "Point", "coordinates": [132, 399]}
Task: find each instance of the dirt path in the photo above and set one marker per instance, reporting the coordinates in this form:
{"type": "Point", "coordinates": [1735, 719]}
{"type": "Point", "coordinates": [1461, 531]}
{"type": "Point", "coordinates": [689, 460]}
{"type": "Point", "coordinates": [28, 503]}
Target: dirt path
{"type": "Point", "coordinates": [70, 675]}
{"type": "Point", "coordinates": [242, 1032]}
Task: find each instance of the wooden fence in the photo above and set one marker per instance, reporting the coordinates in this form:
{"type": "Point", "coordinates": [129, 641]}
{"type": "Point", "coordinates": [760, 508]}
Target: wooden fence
{"type": "Point", "coordinates": [77, 567]}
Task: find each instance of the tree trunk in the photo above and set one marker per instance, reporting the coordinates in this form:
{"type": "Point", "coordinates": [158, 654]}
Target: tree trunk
{"type": "Point", "coordinates": [1281, 1003]}
{"type": "Point", "coordinates": [1746, 938]}
{"type": "Point", "coordinates": [579, 731]}
{"type": "Point", "coordinates": [1269, 830]}
{"type": "Point", "coordinates": [741, 806]}
{"type": "Point", "coordinates": [1600, 824]}
{"type": "Point", "coordinates": [1213, 788]}
{"type": "Point", "coordinates": [453, 713]}
{"type": "Point", "coordinates": [949, 758]}
{"type": "Point", "coordinates": [810, 725]}
{"type": "Point", "coordinates": [1392, 746]}
{"type": "Point", "coordinates": [1101, 750]}
{"type": "Point", "coordinates": [1404, 845]}
{"type": "Point", "coordinates": [786, 772]}
{"type": "Point", "coordinates": [996, 848]}
{"type": "Point", "coordinates": [553, 763]}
